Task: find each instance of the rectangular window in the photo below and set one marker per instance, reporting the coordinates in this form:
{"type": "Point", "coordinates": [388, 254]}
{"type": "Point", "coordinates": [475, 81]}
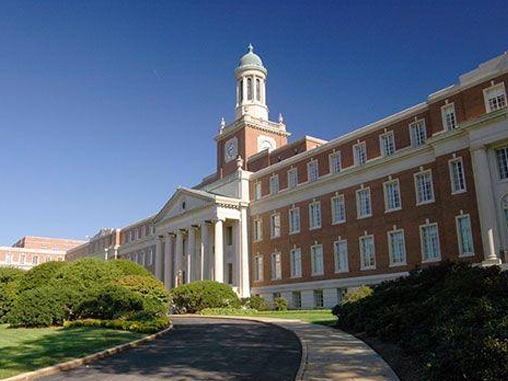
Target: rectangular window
{"type": "Point", "coordinates": [316, 254]}
{"type": "Point", "coordinates": [495, 97]}
{"type": "Point", "coordinates": [295, 256]}
{"type": "Point", "coordinates": [429, 237]}
{"type": "Point", "coordinates": [392, 195]}
{"type": "Point", "coordinates": [502, 162]}
{"type": "Point", "coordinates": [335, 162]}
{"type": "Point", "coordinates": [367, 253]}
{"type": "Point", "coordinates": [448, 116]}
{"type": "Point", "coordinates": [35, 260]}
{"type": "Point", "coordinates": [313, 170]}
{"type": "Point", "coordinates": [276, 266]}
{"type": "Point", "coordinates": [150, 257]}
{"type": "Point", "coordinates": [315, 215]}
{"type": "Point", "coordinates": [341, 260]}
{"type": "Point", "coordinates": [457, 177]}
{"type": "Point", "coordinates": [397, 247]}
{"type": "Point", "coordinates": [424, 188]}
{"type": "Point", "coordinates": [142, 260]}
{"type": "Point", "coordinates": [8, 258]}
{"type": "Point", "coordinates": [258, 268]}
{"type": "Point", "coordinates": [229, 236]}
{"type": "Point", "coordinates": [360, 153]}
{"type": "Point", "coordinates": [363, 204]}
{"type": "Point", "coordinates": [292, 178]}
{"type": "Point", "coordinates": [338, 209]}
{"type": "Point", "coordinates": [258, 230]}
{"type": "Point", "coordinates": [464, 235]}
{"type": "Point", "coordinates": [22, 259]}
{"type": "Point", "coordinates": [319, 301]}
{"type": "Point", "coordinates": [418, 133]}
{"type": "Point", "coordinates": [257, 190]}
{"type": "Point", "coordinates": [294, 220]}
{"type": "Point", "coordinates": [296, 299]}
{"type": "Point", "coordinates": [274, 184]}
{"type": "Point", "coordinates": [387, 142]}
{"type": "Point", "coordinates": [275, 225]}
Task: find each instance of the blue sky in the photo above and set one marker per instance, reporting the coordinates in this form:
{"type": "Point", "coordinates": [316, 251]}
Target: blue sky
{"type": "Point", "coordinates": [107, 106]}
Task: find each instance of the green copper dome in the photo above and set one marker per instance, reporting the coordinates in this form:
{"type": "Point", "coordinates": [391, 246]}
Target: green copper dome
{"type": "Point", "coordinates": [251, 60]}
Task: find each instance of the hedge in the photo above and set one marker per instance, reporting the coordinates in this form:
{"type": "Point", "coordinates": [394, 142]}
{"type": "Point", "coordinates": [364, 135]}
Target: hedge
{"type": "Point", "coordinates": [196, 296]}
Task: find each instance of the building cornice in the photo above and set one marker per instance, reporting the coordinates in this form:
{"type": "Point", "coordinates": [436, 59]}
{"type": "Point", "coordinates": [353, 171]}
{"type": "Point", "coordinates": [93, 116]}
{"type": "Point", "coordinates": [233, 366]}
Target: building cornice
{"type": "Point", "coordinates": [249, 121]}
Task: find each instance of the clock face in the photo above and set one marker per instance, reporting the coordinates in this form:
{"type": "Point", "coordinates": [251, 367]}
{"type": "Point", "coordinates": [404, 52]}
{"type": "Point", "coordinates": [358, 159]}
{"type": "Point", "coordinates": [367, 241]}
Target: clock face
{"type": "Point", "coordinates": [231, 151]}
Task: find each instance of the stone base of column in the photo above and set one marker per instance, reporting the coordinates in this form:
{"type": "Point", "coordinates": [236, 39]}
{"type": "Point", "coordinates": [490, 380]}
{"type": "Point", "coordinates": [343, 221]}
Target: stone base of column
{"type": "Point", "coordinates": [491, 262]}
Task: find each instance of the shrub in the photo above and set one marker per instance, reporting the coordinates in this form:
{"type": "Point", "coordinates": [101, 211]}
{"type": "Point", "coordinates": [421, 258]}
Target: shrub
{"type": "Point", "coordinates": [40, 307]}
{"type": "Point", "coordinates": [154, 295]}
{"type": "Point", "coordinates": [280, 304]}
{"type": "Point", "coordinates": [256, 302]}
{"type": "Point", "coordinates": [142, 326]}
{"type": "Point", "coordinates": [109, 302]}
{"type": "Point", "coordinates": [41, 275]}
{"type": "Point", "coordinates": [357, 294]}
{"type": "Point", "coordinates": [196, 296]}
{"type": "Point", "coordinates": [10, 274]}
{"type": "Point", "coordinates": [9, 287]}
{"type": "Point", "coordinates": [127, 268]}
{"type": "Point", "coordinates": [228, 311]}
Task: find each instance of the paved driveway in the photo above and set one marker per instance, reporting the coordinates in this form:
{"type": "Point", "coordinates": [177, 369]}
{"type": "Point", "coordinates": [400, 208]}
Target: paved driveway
{"type": "Point", "coordinates": [202, 349]}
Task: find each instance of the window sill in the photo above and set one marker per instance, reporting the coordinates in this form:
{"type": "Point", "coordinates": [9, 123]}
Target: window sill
{"type": "Point", "coordinates": [425, 202]}
{"type": "Point", "coordinates": [363, 217]}
{"type": "Point", "coordinates": [315, 227]}
{"type": "Point", "coordinates": [393, 210]}
{"type": "Point", "coordinates": [431, 260]}
{"type": "Point", "coordinates": [398, 264]}
{"type": "Point", "coordinates": [338, 222]}
{"type": "Point", "coordinates": [466, 255]}
{"type": "Point", "coordinates": [367, 268]}
{"type": "Point", "coordinates": [459, 192]}
{"type": "Point", "coordinates": [342, 271]}
{"type": "Point", "coordinates": [320, 274]}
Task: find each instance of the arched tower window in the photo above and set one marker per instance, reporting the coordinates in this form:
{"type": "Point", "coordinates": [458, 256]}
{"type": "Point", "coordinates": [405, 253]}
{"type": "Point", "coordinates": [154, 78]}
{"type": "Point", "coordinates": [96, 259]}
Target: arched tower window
{"type": "Point", "coordinates": [249, 89]}
{"type": "Point", "coordinates": [258, 89]}
{"type": "Point", "coordinates": [240, 92]}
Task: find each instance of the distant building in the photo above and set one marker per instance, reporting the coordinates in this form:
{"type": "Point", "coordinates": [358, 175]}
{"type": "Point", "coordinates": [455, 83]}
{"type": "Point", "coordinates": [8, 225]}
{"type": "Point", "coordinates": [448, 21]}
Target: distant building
{"type": "Point", "coordinates": [30, 251]}
{"type": "Point", "coordinates": [308, 219]}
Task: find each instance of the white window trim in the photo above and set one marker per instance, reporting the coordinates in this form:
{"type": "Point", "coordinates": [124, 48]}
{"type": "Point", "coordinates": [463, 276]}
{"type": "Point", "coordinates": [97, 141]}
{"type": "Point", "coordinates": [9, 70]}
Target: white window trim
{"type": "Point", "coordinates": [459, 243]}
{"type": "Point", "coordinates": [274, 179]}
{"type": "Point", "coordinates": [388, 234]}
{"type": "Point", "coordinates": [382, 146]}
{"type": "Point", "coordinates": [273, 265]}
{"type": "Point", "coordinates": [362, 267]}
{"type": "Point", "coordinates": [309, 165]}
{"type": "Point", "coordinates": [272, 226]}
{"type": "Point", "coordinates": [358, 216]}
{"type": "Point", "coordinates": [258, 260]}
{"type": "Point", "coordinates": [492, 88]}
{"type": "Point", "coordinates": [431, 260]}
{"type": "Point", "coordinates": [433, 199]}
{"type": "Point", "coordinates": [416, 122]}
{"type": "Point", "coordinates": [320, 215]}
{"type": "Point", "coordinates": [450, 169]}
{"type": "Point", "coordinates": [335, 256]}
{"type": "Point", "coordinates": [260, 235]}
{"type": "Point", "coordinates": [385, 194]}
{"type": "Point", "coordinates": [450, 105]}
{"type": "Point", "coordinates": [294, 276]}
{"type": "Point", "coordinates": [296, 208]}
{"type": "Point", "coordinates": [356, 156]}
{"type": "Point", "coordinates": [339, 196]}
{"type": "Point", "coordinates": [292, 170]}
{"type": "Point", "coordinates": [257, 185]}
{"type": "Point", "coordinates": [330, 161]}
{"type": "Point", "coordinates": [498, 172]}
{"type": "Point", "coordinates": [313, 270]}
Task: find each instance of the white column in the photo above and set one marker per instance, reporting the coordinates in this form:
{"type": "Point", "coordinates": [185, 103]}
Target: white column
{"type": "Point", "coordinates": [178, 258]}
{"type": "Point", "coordinates": [191, 253]}
{"type": "Point", "coordinates": [244, 287]}
{"type": "Point", "coordinates": [486, 205]}
{"type": "Point", "coordinates": [203, 245]}
{"type": "Point", "coordinates": [168, 263]}
{"type": "Point", "coordinates": [219, 251]}
{"type": "Point", "coordinates": [158, 259]}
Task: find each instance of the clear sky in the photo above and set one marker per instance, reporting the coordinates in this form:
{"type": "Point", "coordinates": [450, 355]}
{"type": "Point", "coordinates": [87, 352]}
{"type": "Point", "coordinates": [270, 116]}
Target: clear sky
{"type": "Point", "coordinates": [107, 106]}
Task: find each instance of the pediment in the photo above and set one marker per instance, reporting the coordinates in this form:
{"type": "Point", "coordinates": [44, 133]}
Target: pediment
{"type": "Point", "coordinates": [183, 201]}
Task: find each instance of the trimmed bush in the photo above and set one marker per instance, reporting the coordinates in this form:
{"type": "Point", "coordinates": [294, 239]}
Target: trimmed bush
{"type": "Point", "coordinates": [9, 287]}
{"type": "Point", "coordinates": [141, 326]}
{"type": "Point", "coordinates": [127, 268]}
{"type": "Point", "coordinates": [280, 304]}
{"type": "Point", "coordinates": [110, 302]}
{"type": "Point", "coordinates": [154, 295]}
{"type": "Point", "coordinates": [357, 294]}
{"type": "Point", "coordinates": [196, 296]}
{"type": "Point", "coordinates": [41, 275]}
{"type": "Point", "coordinates": [256, 303]}
{"type": "Point", "coordinates": [228, 311]}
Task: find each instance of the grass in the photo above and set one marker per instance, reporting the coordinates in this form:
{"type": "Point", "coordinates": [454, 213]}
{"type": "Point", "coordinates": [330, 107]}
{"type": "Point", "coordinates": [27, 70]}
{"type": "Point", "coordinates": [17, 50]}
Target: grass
{"type": "Point", "coordinates": [323, 317]}
{"type": "Point", "coordinates": [24, 350]}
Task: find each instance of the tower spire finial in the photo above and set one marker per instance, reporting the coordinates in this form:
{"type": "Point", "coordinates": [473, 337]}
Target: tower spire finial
{"type": "Point", "coordinates": [250, 47]}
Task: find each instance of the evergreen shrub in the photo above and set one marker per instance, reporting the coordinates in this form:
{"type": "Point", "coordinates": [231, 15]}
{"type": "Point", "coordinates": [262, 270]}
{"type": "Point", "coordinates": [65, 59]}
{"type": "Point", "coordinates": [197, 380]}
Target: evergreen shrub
{"type": "Point", "coordinates": [196, 296]}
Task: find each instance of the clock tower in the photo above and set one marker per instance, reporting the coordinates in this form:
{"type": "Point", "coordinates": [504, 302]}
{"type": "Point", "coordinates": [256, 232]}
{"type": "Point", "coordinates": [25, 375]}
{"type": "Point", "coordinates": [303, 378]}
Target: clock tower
{"type": "Point", "coordinates": [251, 132]}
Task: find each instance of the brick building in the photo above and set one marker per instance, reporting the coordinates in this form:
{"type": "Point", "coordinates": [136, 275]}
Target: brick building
{"type": "Point", "coordinates": [30, 251]}
{"type": "Point", "coordinates": [307, 219]}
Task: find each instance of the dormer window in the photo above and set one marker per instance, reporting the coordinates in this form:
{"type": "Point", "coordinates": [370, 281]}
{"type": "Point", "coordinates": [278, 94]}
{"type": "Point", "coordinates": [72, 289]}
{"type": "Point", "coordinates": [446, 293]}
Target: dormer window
{"type": "Point", "coordinates": [360, 153]}
{"type": "Point", "coordinates": [495, 97]}
{"type": "Point", "coordinates": [418, 133]}
{"type": "Point", "coordinates": [448, 116]}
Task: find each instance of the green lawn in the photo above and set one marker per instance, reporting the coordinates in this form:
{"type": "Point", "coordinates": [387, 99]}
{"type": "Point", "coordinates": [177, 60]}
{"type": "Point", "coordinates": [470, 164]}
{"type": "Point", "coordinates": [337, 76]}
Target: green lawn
{"type": "Point", "coordinates": [323, 317]}
{"type": "Point", "coordinates": [24, 350]}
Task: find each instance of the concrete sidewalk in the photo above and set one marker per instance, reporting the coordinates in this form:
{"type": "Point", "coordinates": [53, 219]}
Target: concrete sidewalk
{"type": "Point", "coordinates": [333, 355]}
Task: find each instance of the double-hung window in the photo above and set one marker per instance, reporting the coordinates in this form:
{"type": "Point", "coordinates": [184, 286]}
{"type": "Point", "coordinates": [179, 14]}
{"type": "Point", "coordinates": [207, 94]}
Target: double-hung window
{"type": "Point", "coordinates": [367, 253]}
{"type": "Point", "coordinates": [418, 132]}
{"type": "Point", "coordinates": [312, 170]}
{"type": "Point", "coordinates": [275, 225]}
{"type": "Point", "coordinates": [341, 260]}
{"type": "Point", "coordinates": [429, 238]}
{"type": "Point", "coordinates": [424, 188]}
{"type": "Point", "coordinates": [495, 97]}
{"type": "Point", "coordinates": [448, 116]}
{"type": "Point", "coordinates": [397, 247]}
{"type": "Point", "coordinates": [294, 220]}
{"type": "Point", "coordinates": [276, 266]}
{"type": "Point", "coordinates": [464, 235]}
{"type": "Point", "coordinates": [315, 215]}
{"type": "Point", "coordinates": [258, 229]}
{"type": "Point", "coordinates": [392, 195]}
{"type": "Point", "coordinates": [360, 153]}
{"type": "Point", "coordinates": [316, 255]}
{"type": "Point", "coordinates": [387, 142]}
{"type": "Point", "coordinates": [274, 184]}
{"type": "Point", "coordinates": [338, 209]}
{"type": "Point", "coordinates": [502, 162]}
{"type": "Point", "coordinates": [292, 178]}
{"type": "Point", "coordinates": [295, 257]}
{"type": "Point", "coordinates": [258, 268]}
{"type": "Point", "coordinates": [457, 178]}
{"type": "Point", "coordinates": [363, 204]}
{"type": "Point", "coordinates": [257, 190]}
{"type": "Point", "coordinates": [335, 162]}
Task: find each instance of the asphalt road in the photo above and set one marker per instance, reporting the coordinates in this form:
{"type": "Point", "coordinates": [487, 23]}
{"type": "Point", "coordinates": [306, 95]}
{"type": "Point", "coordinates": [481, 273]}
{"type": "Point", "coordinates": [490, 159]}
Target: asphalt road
{"type": "Point", "coordinates": [201, 349]}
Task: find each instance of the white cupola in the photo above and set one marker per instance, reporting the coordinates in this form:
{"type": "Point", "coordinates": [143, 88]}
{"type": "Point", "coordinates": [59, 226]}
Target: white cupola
{"type": "Point", "coordinates": [251, 87]}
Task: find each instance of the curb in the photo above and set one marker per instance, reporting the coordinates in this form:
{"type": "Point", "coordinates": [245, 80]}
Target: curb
{"type": "Point", "coordinates": [303, 344]}
{"type": "Point", "coordinates": [72, 364]}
